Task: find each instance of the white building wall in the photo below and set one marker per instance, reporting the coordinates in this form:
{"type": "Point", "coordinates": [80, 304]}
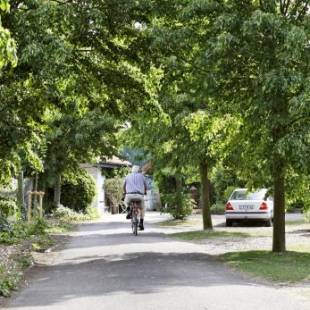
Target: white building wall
{"type": "Point", "coordinates": [95, 172]}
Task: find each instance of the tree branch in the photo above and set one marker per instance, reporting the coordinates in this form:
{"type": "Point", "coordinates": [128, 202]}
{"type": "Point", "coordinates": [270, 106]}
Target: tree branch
{"type": "Point", "coordinates": [281, 6]}
{"type": "Point", "coordinates": [61, 2]}
{"type": "Point", "coordinates": [302, 12]}
{"type": "Point", "coordinates": [287, 5]}
{"type": "Point", "coordinates": [296, 120]}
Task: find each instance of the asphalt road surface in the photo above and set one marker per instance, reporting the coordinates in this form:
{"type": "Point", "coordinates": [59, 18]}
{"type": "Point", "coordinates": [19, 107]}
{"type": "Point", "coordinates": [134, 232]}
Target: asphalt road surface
{"type": "Point", "coordinates": [103, 266]}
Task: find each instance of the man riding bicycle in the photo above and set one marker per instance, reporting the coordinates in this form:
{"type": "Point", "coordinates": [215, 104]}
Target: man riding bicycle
{"type": "Point", "coordinates": [135, 189]}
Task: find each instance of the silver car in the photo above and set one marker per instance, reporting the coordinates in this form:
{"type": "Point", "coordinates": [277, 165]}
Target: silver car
{"type": "Point", "coordinates": [244, 205]}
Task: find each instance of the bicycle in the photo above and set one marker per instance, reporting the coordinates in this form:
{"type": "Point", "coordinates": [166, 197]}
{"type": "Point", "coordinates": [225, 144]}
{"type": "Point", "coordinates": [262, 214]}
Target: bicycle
{"type": "Point", "coordinates": [135, 206]}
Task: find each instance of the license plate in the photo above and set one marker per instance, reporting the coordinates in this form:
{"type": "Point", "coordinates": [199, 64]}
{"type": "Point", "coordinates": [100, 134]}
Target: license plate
{"type": "Point", "coordinates": [246, 207]}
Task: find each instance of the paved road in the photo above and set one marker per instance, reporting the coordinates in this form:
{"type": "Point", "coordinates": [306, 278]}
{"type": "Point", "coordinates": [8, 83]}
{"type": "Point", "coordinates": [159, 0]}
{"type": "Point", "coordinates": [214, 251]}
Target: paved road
{"type": "Point", "coordinates": [103, 266]}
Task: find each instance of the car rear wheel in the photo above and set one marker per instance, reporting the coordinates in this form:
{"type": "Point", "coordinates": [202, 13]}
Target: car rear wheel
{"type": "Point", "coordinates": [228, 223]}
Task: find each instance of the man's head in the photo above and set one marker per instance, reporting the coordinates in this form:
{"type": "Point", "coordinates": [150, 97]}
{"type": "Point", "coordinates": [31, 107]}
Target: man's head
{"type": "Point", "coordinates": [135, 169]}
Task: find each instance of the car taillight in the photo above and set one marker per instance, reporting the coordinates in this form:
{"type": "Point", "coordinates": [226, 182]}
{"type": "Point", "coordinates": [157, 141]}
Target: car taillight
{"type": "Point", "coordinates": [229, 206]}
{"type": "Point", "coordinates": [263, 206]}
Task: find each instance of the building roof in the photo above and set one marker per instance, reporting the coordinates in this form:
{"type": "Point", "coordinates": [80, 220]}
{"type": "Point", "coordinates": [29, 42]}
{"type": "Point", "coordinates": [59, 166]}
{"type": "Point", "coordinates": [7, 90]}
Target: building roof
{"type": "Point", "coordinates": [115, 162]}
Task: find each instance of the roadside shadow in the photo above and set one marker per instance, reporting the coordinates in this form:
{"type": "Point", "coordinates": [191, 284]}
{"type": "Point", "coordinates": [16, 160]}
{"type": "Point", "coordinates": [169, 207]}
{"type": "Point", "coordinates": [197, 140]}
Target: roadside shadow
{"type": "Point", "coordinates": [135, 273]}
{"type": "Point", "coordinates": [302, 232]}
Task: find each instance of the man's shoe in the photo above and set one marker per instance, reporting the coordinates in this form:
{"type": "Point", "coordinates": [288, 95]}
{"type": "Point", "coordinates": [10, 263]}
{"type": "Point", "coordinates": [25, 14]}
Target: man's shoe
{"type": "Point", "coordinates": [141, 226]}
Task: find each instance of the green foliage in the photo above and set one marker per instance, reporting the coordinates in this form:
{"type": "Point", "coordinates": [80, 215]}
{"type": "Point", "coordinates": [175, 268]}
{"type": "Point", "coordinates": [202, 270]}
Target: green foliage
{"type": "Point", "coordinates": [114, 190]}
{"type": "Point", "coordinates": [261, 58]}
{"type": "Point", "coordinates": [20, 231]}
{"type": "Point", "coordinates": [7, 44]}
{"type": "Point", "coordinates": [298, 192]}
{"type": "Point", "coordinates": [218, 208]}
{"type": "Point", "coordinates": [171, 204]}
{"type": "Point", "coordinates": [92, 213]}
{"type": "Point", "coordinates": [307, 215]}
{"type": "Point", "coordinates": [9, 279]}
{"type": "Point", "coordinates": [68, 215]}
{"type": "Point", "coordinates": [78, 191]}
{"type": "Point", "coordinates": [8, 208]}
{"type": "Point", "coordinates": [228, 191]}
{"type": "Point", "coordinates": [224, 180]}
{"type": "Point", "coordinates": [38, 227]}
{"type": "Point", "coordinates": [72, 87]}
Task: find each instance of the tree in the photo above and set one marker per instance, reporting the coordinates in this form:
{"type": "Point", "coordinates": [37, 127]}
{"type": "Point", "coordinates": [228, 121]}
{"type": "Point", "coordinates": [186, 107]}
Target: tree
{"type": "Point", "coordinates": [258, 53]}
{"type": "Point", "coordinates": [188, 127]}
{"type": "Point", "coordinates": [59, 59]}
{"type": "Point", "coordinates": [74, 139]}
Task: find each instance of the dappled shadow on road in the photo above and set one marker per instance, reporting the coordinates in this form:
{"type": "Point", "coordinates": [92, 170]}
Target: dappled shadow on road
{"type": "Point", "coordinates": [301, 232]}
{"type": "Point", "coordinates": [88, 227]}
{"type": "Point", "coordinates": [116, 233]}
{"type": "Point", "coordinates": [135, 273]}
{"type": "Point", "coordinates": [126, 238]}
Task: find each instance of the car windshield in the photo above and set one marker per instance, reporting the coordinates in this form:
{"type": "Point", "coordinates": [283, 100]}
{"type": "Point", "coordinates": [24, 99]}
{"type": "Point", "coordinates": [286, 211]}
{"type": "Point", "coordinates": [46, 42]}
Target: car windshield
{"type": "Point", "coordinates": [245, 195]}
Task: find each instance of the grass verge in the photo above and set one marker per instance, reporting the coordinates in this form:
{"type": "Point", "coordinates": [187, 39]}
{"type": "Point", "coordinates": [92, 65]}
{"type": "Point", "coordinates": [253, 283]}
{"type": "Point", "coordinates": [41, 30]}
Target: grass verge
{"type": "Point", "coordinates": [295, 222]}
{"type": "Point", "coordinates": [174, 223]}
{"type": "Point", "coordinates": [287, 267]}
{"type": "Point", "coordinates": [299, 247]}
{"type": "Point", "coordinates": [206, 234]}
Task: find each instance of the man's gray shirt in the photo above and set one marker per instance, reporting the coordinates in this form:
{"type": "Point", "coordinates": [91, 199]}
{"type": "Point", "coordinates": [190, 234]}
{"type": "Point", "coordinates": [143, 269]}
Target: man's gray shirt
{"type": "Point", "coordinates": [135, 183]}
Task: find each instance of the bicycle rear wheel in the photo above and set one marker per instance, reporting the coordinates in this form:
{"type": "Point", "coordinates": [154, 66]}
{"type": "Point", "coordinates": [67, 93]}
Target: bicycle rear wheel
{"type": "Point", "coordinates": [134, 224]}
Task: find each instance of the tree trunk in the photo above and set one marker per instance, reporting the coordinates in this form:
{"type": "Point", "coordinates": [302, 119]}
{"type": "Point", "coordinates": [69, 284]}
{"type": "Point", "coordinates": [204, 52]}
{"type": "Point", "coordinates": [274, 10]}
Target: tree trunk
{"type": "Point", "coordinates": [278, 241]}
{"type": "Point", "coordinates": [280, 111]}
{"type": "Point", "coordinates": [35, 197]}
{"type": "Point", "coordinates": [20, 193]}
{"type": "Point", "coordinates": [205, 196]}
{"type": "Point", "coordinates": [57, 191]}
{"type": "Point", "coordinates": [179, 202]}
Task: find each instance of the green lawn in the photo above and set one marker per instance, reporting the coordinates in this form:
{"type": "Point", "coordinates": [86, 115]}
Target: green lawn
{"type": "Point", "coordinates": [302, 247]}
{"type": "Point", "coordinates": [286, 267]}
{"type": "Point", "coordinates": [205, 234]}
{"type": "Point", "coordinates": [295, 222]}
{"type": "Point", "coordinates": [181, 223]}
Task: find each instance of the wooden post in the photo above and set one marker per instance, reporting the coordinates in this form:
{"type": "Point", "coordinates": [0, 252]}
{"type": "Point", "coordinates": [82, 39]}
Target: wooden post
{"type": "Point", "coordinates": [41, 194]}
{"type": "Point", "coordinates": [35, 198]}
{"type": "Point", "coordinates": [29, 206]}
{"type": "Point", "coordinates": [29, 212]}
{"type": "Point", "coordinates": [20, 193]}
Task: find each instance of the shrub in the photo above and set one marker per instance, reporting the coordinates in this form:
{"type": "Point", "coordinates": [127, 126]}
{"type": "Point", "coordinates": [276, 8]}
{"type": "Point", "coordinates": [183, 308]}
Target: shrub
{"type": "Point", "coordinates": [68, 215]}
{"type": "Point", "coordinates": [4, 225]}
{"type": "Point", "coordinates": [170, 202]}
{"type": "Point", "coordinates": [114, 190]}
{"type": "Point", "coordinates": [218, 208]}
{"type": "Point", "coordinates": [77, 192]}
{"type": "Point", "coordinates": [92, 213]}
{"type": "Point", "coordinates": [38, 227]}
{"type": "Point", "coordinates": [307, 215]}
{"type": "Point", "coordinates": [8, 208]}
{"type": "Point", "coordinates": [297, 205]}
{"type": "Point", "coordinates": [20, 231]}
